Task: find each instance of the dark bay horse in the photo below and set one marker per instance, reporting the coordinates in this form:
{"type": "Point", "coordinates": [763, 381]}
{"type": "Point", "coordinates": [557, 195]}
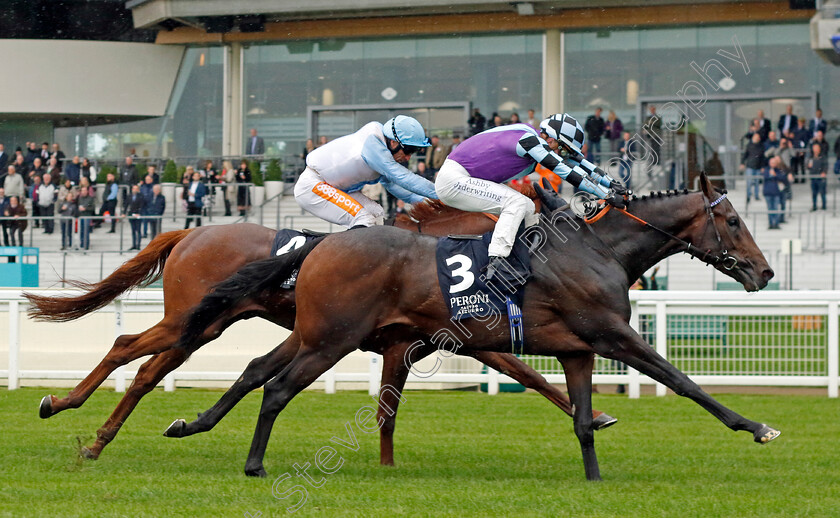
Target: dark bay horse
{"type": "Point", "coordinates": [576, 303]}
{"type": "Point", "coordinates": [191, 261]}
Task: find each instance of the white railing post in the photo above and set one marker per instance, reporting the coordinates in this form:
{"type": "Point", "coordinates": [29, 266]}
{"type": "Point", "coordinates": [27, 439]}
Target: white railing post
{"type": "Point", "coordinates": [119, 373]}
{"type": "Point", "coordinates": [169, 382]}
{"type": "Point", "coordinates": [661, 340]}
{"type": "Point", "coordinates": [833, 346]}
{"type": "Point", "coordinates": [14, 344]}
{"type": "Point", "coordinates": [633, 387]}
{"type": "Point", "coordinates": [492, 381]}
{"type": "Point", "coordinates": [329, 381]}
{"type": "Point", "coordinates": [373, 381]}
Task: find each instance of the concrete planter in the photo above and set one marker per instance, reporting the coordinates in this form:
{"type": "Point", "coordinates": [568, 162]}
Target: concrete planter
{"type": "Point", "coordinates": [257, 195]}
{"type": "Point", "coordinates": [273, 188]}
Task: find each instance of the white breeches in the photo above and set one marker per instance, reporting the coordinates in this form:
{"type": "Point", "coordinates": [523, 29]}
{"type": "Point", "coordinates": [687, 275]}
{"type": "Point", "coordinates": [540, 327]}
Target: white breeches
{"type": "Point", "coordinates": [458, 189]}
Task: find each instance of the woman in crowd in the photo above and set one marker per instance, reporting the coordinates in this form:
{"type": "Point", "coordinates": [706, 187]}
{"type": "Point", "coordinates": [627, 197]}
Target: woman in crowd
{"type": "Point", "coordinates": [88, 171]}
{"type": "Point", "coordinates": [243, 196]}
{"type": "Point", "coordinates": [227, 179]}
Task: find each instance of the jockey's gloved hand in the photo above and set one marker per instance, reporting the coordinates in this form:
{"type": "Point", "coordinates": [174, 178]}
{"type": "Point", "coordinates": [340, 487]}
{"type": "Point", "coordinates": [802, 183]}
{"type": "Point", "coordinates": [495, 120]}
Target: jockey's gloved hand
{"type": "Point", "coordinates": [620, 189]}
{"type": "Point", "coordinates": [616, 200]}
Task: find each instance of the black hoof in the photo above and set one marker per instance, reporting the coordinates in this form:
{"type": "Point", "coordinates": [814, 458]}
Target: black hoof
{"type": "Point", "coordinates": [176, 429]}
{"type": "Point", "coordinates": [45, 410]}
{"type": "Point", "coordinates": [258, 471]}
{"type": "Point", "coordinates": [765, 434]}
{"type": "Point", "coordinates": [603, 421]}
{"type": "Point", "coordinates": [88, 454]}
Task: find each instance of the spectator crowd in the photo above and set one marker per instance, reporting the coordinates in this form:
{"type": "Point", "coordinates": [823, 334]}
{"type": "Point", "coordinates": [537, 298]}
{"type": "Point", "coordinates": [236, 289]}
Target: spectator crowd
{"type": "Point", "coordinates": [40, 185]}
{"type": "Point", "coordinates": [793, 151]}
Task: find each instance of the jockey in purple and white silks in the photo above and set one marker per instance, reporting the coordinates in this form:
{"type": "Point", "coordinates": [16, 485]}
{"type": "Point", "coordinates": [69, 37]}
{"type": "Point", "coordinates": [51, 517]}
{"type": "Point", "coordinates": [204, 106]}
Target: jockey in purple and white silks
{"type": "Point", "coordinates": [473, 175]}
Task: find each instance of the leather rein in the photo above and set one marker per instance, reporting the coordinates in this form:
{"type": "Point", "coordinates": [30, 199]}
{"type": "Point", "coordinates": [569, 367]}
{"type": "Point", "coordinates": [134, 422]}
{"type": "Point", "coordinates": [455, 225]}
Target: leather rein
{"type": "Point", "coordinates": [728, 262]}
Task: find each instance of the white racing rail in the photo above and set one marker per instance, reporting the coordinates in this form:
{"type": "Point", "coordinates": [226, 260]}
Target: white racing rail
{"type": "Point", "coordinates": [774, 338]}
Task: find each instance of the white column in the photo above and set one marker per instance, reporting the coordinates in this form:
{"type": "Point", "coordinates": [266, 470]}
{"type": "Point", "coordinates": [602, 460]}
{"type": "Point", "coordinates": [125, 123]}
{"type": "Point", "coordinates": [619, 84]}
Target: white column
{"type": "Point", "coordinates": [14, 343]}
{"type": "Point", "coordinates": [232, 102]}
{"type": "Point", "coordinates": [661, 340]}
{"type": "Point", "coordinates": [553, 72]}
{"type": "Point", "coordinates": [833, 353]}
{"type": "Point", "coordinates": [633, 389]}
{"type": "Point", "coordinates": [119, 373]}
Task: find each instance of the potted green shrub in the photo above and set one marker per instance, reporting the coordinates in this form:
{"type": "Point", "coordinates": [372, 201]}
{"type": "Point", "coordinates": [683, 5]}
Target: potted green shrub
{"type": "Point", "coordinates": [273, 179]}
{"type": "Point", "coordinates": [258, 191]}
{"type": "Point", "coordinates": [169, 180]}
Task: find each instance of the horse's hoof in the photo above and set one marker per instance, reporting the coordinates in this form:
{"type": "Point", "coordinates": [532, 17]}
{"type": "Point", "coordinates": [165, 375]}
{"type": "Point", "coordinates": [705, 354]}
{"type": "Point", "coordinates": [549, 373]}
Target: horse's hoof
{"type": "Point", "coordinates": [176, 429]}
{"type": "Point", "coordinates": [256, 472]}
{"type": "Point", "coordinates": [88, 454]}
{"type": "Point", "coordinates": [603, 421]}
{"type": "Point", "coordinates": [765, 434]}
{"type": "Point", "coordinates": [45, 410]}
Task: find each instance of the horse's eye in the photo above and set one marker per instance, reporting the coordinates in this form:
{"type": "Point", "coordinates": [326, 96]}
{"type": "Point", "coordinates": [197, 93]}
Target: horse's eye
{"type": "Point", "coordinates": [733, 222]}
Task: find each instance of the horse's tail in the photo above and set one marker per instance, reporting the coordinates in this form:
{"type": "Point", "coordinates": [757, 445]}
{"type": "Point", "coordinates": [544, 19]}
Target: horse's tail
{"type": "Point", "coordinates": [251, 280]}
{"type": "Point", "coordinates": [141, 270]}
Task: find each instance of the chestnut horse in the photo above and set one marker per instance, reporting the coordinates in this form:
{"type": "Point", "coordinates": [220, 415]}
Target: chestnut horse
{"type": "Point", "coordinates": [191, 261]}
{"type": "Point", "coordinates": [576, 303]}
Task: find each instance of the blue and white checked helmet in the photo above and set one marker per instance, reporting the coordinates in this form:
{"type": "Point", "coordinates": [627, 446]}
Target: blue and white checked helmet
{"type": "Point", "coordinates": [566, 129]}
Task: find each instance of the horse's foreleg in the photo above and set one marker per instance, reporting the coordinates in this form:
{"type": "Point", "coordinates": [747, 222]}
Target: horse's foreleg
{"type": "Point", "coordinates": [529, 378]}
{"type": "Point", "coordinates": [126, 348]}
{"type": "Point", "coordinates": [148, 376]}
{"type": "Point", "coordinates": [631, 349]}
{"type": "Point", "coordinates": [258, 372]}
{"type": "Point", "coordinates": [299, 374]}
{"type": "Point", "coordinates": [578, 371]}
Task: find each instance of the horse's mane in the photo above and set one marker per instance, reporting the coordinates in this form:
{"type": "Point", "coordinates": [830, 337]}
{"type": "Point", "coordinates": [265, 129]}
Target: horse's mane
{"type": "Point", "coordinates": [435, 209]}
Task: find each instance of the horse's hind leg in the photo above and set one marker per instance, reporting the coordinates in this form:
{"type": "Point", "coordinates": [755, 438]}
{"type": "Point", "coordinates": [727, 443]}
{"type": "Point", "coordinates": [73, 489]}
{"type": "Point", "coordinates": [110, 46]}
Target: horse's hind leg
{"type": "Point", "coordinates": [258, 372]}
{"type": "Point", "coordinates": [126, 348]}
{"type": "Point", "coordinates": [578, 371]}
{"type": "Point", "coordinates": [529, 378]}
{"type": "Point", "coordinates": [148, 376]}
{"type": "Point", "coordinates": [395, 368]}
{"type": "Point", "coordinates": [299, 374]}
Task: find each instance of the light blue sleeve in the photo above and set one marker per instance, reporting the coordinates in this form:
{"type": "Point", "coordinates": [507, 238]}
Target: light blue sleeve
{"type": "Point", "coordinates": [377, 156]}
{"type": "Point", "coordinates": [403, 194]}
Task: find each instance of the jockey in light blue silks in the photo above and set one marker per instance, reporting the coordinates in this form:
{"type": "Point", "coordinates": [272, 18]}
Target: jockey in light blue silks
{"type": "Point", "coordinates": [473, 175]}
{"type": "Point", "coordinates": [330, 186]}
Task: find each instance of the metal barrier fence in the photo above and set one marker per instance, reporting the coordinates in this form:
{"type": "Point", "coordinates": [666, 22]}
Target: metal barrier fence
{"type": "Point", "coordinates": [782, 338]}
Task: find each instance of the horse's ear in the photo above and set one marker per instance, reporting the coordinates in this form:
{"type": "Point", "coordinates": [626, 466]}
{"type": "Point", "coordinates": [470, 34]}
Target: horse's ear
{"type": "Point", "coordinates": [549, 198]}
{"type": "Point", "coordinates": [706, 185]}
{"type": "Point", "coordinates": [546, 184]}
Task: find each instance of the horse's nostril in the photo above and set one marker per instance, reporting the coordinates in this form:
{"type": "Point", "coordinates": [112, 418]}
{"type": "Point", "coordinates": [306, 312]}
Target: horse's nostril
{"type": "Point", "coordinates": [767, 274]}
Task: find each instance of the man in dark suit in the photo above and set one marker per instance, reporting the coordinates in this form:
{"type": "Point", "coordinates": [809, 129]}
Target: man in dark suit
{"type": "Point", "coordinates": [134, 208]}
{"type": "Point", "coordinates": [763, 124]}
{"type": "Point", "coordinates": [256, 145]}
{"type": "Point", "coordinates": [4, 160]}
{"type": "Point", "coordinates": [156, 207]}
{"type": "Point", "coordinates": [817, 124]}
{"type": "Point", "coordinates": [194, 192]}
{"type": "Point", "coordinates": [787, 122]}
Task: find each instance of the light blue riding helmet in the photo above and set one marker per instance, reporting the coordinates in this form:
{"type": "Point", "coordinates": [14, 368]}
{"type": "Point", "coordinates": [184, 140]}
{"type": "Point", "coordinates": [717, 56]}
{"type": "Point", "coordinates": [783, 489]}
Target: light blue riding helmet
{"type": "Point", "coordinates": [407, 131]}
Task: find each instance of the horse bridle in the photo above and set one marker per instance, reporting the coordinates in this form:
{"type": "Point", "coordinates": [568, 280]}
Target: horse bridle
{"type": "Point", "coordinates": [727, 262]}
